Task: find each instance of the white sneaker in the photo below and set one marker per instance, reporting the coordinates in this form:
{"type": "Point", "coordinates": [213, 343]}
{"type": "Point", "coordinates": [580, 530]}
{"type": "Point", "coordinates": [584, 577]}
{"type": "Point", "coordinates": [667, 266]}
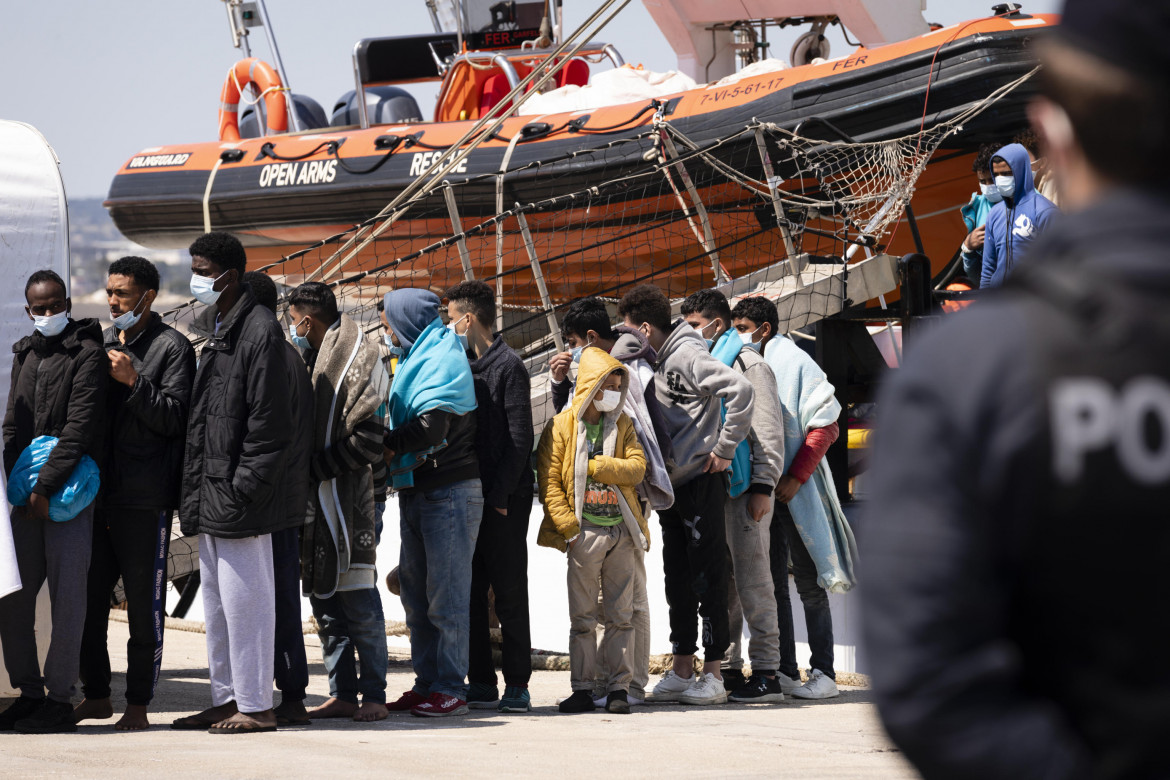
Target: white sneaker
{"type": "Point", "coordinates": [670, 687]}
{"type": "Point", "coordinates": [819, 686]}
{"type": "Point", "coordinates": [787, 684]}
{"type": "Point", "coordinates": [705, 690]}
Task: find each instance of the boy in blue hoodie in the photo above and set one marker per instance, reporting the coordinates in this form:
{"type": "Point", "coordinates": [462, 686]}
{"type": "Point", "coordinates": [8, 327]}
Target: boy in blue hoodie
{"type": "Point", "coordinates": [1022, 215]}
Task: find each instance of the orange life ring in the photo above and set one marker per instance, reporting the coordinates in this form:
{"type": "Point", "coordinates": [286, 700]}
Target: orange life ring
{"type": "Point", "coordinates": [267, 81]}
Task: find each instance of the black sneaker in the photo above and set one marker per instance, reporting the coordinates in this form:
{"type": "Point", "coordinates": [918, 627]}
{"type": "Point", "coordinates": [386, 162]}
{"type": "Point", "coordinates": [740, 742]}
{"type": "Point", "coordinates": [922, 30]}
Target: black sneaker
{"type": "Point", "coordinates": [53, 717]}
{"type": "Point", "coordinates": [580, 701]}
{"type": "Point", "coordinates": [18, 710]}
{"type": "Point", "coordinates": [733, 679]}
{"type": "Point", "coordinates": [759, 689]}
{"type": "Point", "coordinates": [618, 703]}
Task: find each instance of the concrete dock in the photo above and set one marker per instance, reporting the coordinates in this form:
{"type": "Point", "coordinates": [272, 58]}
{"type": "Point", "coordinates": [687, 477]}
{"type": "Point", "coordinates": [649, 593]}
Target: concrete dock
{"type": "Point", "coordinates": [835, 738]}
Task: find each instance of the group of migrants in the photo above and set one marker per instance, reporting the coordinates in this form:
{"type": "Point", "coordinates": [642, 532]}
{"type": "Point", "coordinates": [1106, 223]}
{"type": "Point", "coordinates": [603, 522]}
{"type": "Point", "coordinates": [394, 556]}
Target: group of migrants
{"type": "Point", "coordinates": [278, 444]}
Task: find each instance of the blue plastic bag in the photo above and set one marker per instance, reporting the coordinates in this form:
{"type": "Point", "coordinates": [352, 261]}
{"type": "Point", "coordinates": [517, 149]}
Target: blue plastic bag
{"type": "Point", "coordinates": [78, 492]}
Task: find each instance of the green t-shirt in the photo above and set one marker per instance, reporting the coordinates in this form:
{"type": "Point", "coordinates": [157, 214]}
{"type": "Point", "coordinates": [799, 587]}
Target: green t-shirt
{"type": "Point", "coordinates": [601, 501]}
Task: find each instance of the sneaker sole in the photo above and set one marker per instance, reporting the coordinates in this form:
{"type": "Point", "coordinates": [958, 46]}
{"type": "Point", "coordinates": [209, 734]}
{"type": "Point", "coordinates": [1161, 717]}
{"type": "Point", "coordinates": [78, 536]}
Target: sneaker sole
{"type": "Point", "coordinates": [694, 701]}
{"type": "Point", "coordinates": [457, 711]}
{"type": "Point", "coordinates": [808, 697]}
{"type": "Point", "coordinates": [515, 708]}
{"type": "Point", "coordinates": [767, 698]}
{"type": "Point", "coordinates": [484, 705]}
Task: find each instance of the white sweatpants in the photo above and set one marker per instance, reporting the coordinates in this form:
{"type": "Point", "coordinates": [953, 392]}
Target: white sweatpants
{"type": "Point", "coordinates": [239, 607]}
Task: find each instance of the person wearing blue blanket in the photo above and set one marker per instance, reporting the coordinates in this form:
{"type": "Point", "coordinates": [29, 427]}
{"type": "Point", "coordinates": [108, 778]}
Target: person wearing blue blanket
{"type": "Point", "coordinates": [58, 389]}
{"type": "Point", "coordinates": [431, 459]}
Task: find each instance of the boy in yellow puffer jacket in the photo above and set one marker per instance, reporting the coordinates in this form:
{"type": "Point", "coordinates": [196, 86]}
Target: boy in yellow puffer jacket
{"type": "Point", "coordinates": [588, 466]}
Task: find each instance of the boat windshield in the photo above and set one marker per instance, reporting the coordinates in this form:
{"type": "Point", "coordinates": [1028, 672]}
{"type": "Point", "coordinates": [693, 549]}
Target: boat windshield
{"type": "Point", "coordinates": [490, 24]}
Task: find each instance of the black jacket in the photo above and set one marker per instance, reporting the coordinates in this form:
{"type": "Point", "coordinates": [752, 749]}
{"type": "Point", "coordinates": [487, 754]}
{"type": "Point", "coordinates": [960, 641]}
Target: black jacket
{"type": "Point", "coordinates": [58, 389]}
{"type": "Point", "coordinates": [1012, 554]}
{"type": "Point", "coordinates": [455, 462]}
{"type": "Point", "coordinates": [503, 423]}
{"type": "Point", "coordinates": [241, 429]}
{"type": "Point", "coordinates": [300, 485]}
{"type": "Point", "coordinates": [148, 422]}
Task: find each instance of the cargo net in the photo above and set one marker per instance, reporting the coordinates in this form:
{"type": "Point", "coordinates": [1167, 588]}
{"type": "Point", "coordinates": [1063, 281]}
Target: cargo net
{"type": "Point", "coordinates": [762, 202]}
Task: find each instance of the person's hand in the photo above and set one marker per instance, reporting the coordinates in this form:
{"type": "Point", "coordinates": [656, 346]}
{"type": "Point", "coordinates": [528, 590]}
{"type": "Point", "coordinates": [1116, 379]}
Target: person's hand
{"type": "Point", "coordinates": [559, 364]}
{"type": "Point", "coordinates": [501, 512]}
{"type": "Point", "coordinates": [388, 454]}
{"type": "Point", "coordinates": [975, 239]}
{"type": "Point", "coordinates": [716, 464]}
{"type": "Point", "coordinates": [38, 507]}
{"type": "Point", "coordinates": [786, 488]}
{"type": "Point", "coordinates": [122, 368]}
{"type": "Point", "coordinates": [758, 506]}
{"type": "Point", "coordinates": [569, 545]}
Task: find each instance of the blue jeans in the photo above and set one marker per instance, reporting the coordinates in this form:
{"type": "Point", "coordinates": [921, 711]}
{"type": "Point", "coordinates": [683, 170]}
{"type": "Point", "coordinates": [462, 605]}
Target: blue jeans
{"type": "Point", "coordinates": [352, 621]}
{"type": "Point", "coordinates": [439, 528]}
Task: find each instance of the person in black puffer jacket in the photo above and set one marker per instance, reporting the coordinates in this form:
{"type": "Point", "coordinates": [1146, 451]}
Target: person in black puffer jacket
{"type": "Point", "coordinates": [236, 479]}
{"type": "Point", "coordinates": [151, 369]}
{"type": "Point", "coordinates": [58, 389]}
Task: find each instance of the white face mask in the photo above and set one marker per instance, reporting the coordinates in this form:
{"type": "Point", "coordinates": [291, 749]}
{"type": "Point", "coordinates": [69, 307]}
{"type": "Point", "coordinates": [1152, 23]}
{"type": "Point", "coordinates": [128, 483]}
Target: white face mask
{"type": "Point", "coordinates": [748, 338]}
{"type": "Point", "coordinates": [1006, 185]}
{"type": "Point", "coordinates": [52, 324]}
{"type": "Point", "coordinates": [461, 336]}
{"type": "Point", "coordinates": [608, 401]}
{"type": "Point", "coordinates": [202, 288]}
{"type": "Point", "coordinates": [991, 192]}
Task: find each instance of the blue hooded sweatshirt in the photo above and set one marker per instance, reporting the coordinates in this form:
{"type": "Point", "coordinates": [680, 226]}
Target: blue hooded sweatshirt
{"type": "Point", "coordinates": [1014, 222]}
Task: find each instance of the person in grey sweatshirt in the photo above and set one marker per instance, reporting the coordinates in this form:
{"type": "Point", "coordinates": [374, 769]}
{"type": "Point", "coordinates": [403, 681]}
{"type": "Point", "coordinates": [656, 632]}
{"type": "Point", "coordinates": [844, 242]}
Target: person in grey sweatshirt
{"type": "Point", "coordinates": [690, 384]}
{"type": "Point", "coordinates": [748, 508]}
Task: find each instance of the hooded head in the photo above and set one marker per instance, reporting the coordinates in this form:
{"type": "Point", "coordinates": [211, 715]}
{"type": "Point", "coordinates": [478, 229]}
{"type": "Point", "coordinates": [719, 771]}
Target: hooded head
{"type": "Point", "coordinates": [409, 311]}
{"type": "Point", "coordinates": [1017, 157]}
{"type": "Point", "coordinates": [596, 365]}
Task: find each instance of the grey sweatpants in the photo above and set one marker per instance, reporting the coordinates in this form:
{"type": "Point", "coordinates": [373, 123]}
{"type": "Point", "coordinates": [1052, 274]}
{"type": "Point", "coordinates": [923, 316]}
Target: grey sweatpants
{"type": "Point", "coordinates": [607, 553]}
{"type": "Point", "coordinates": [58, 552]}
{"type": "Point", "coordinates": [751, 594]}
{"type": "Point", "coordinates": [239, 608]}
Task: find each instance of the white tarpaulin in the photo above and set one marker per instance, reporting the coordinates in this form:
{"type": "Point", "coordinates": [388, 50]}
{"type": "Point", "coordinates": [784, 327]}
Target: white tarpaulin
{"type": "Point", "coordinates": [34, 234]}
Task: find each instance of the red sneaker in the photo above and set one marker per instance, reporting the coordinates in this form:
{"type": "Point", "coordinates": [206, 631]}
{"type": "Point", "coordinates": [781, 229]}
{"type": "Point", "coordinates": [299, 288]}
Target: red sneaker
{"type": "Point", "coordinates": [440, 705]}
{"type": "Point", "coordinates": [406, 701]}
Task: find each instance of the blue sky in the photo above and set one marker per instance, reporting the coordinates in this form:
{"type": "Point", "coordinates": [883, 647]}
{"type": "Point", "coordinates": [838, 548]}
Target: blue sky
{"type": "Point", "coordinates": [103, 79]}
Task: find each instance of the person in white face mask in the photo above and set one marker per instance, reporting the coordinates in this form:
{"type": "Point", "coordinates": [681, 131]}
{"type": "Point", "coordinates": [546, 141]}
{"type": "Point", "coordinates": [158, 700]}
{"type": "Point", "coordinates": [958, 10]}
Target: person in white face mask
{"type": "Point", "coordinates": [588, 465]}
{"type": "Point", "coordinates": [59, 384]}
{"type": "Point", "coordinates": [748, 509]}
{"type": "Point", "coordinates": [1017, 220]}
{"type": "Point", "coordinates": [976, 211]}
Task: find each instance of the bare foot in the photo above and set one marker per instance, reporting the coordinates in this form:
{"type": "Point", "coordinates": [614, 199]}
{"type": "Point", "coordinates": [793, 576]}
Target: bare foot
{"type": "Point", "coordinates": [243, 722]}
{"type": "Point", "coordinates": [371, 711]}
{"type": "Point", "coordinates": [134, 719]}
{"type": "Point", "coordinates": [291, 712]}
{"type": "Point", "coordinates": [93, 709]}
{"type": "Point", "coordinates": [334, 708]}
{"type": "Point", "coordinates": [206, 718]}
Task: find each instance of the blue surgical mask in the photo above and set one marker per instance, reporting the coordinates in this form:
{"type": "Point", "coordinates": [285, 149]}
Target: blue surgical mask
{"type": "Point", "coordinates": [1006, 185]}
{"type": "Point", "coordinates": [129, 319]}
{"type": "Point", "coordinates": [51, 325]}
{"type": "Point", "coordinates": [578, 350]}
{"type": "Point", "coordinates": [301, 342]}
{"type": "Point", "coordinates": [201, 288]}
{"type": "Point", "coordinates": [397, 351]}
{"type": "Point", "coordinates": [386, 340]}
{"type": "Point", "coordinates": [991, 192]}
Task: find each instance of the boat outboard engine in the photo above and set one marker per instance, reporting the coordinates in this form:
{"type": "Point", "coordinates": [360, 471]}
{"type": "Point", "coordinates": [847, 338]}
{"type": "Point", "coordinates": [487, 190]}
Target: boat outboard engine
{"type": "Point", "coordinates": [310, 115]}
{"type": "Point", "coordinates": [384, 106]}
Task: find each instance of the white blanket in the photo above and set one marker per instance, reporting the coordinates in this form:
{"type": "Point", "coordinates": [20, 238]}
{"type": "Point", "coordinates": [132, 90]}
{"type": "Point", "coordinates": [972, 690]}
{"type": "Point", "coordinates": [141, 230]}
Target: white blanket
{"type": "Point", "coordinates": [9, 574]}
{"type": "Point", "coordinates": [609, 88]}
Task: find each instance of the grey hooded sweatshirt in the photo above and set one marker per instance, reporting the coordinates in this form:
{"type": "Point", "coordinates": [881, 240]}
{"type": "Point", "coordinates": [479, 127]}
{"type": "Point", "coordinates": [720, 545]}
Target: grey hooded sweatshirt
{"type": "Point", "coordinates": [690, 383]}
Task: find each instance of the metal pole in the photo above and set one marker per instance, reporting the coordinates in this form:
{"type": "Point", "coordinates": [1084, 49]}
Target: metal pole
{"type": "Point", "coordinates": [708, 239]}
{"type": "Point", "coordinates": [550, 315]}
{"type": "Point", "coordinates": [294, 124]}
{"type": "Point", "coordinates": [781, 221]}
{"type": "Point", "coordinates": [359, 90]}
{"type": "Point", "coordinates": [457, 226]}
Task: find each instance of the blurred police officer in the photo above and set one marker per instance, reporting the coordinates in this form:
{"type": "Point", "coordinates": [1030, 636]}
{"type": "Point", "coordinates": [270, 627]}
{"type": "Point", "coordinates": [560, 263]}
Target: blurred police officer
{"type": "Point", "coordinates": [1022, 470]}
